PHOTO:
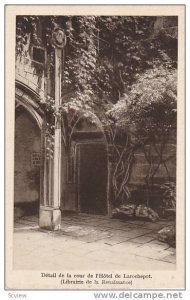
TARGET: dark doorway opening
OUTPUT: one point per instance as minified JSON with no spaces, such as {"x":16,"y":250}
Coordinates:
{"x":93,"y":178}
{"x":26,"y":164}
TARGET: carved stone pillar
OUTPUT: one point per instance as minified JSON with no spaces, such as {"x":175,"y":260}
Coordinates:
{"x":50,"y":213}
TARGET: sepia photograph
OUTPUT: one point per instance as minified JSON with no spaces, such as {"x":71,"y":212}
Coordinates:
{"x":95,"y":167}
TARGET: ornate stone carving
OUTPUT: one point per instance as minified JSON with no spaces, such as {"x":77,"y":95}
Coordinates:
{"x":59,"y":38}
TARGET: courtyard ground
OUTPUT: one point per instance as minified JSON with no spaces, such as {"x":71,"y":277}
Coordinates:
{"x":91,"y":241}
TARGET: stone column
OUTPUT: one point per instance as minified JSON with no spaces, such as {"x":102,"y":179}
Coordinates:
{"x":50,"y":214}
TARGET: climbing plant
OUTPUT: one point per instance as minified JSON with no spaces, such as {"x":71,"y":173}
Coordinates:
{"x":149,"y":114}
{"x":118,"y":71}
{"x":104,"y":54}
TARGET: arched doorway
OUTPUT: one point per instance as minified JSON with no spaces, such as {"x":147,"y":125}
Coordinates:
{"x":27,"y":164}
{"x":27,"y":158}
{"x":85,"y":171}
{"x":92,"y":177}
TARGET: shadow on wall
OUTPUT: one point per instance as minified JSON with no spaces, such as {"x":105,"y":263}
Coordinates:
{"x":26,"y":209}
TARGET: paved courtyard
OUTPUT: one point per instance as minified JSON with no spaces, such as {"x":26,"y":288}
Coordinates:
{"x":91,"y":242}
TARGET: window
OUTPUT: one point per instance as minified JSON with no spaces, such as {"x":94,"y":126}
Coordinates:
{"x":38,"y":55}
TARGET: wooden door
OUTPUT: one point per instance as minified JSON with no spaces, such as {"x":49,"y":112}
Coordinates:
{"x":92,"y":178}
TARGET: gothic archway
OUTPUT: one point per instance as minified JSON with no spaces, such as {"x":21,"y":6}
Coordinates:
{"x":85,"y":174}
{"x":27,"y":159}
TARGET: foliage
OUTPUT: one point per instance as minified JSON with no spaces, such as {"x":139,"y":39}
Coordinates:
{"x":168,"y":235}
{"x":151,"y":104}
{"x":169,"y":195}
{"x":138,"y":211}
{"x":25,"y":29}
{"x":103,"y":53}
{"x":118,"y":74}
{"x":149,"y":113}
{"x":120,"y":157}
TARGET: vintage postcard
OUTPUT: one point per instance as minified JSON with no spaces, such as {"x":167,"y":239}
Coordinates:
{"x":95,"y":147}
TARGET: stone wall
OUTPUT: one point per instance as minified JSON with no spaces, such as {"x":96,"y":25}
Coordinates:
{"x":27,"y":74}
{"x":140,"y":166}
{"x":164,"y":174}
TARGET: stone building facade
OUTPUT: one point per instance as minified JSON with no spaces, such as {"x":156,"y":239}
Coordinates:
{"x":51,"y":184}
{"x":77,"y":183}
